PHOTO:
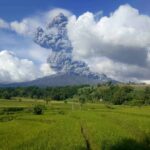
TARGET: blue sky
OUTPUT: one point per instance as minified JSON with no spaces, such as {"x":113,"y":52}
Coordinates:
{"x":17,"y":9}
{"x":119,"y":47}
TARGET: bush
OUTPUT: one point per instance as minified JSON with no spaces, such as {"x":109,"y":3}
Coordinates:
{"x":6,"y":118}
{"x":135,"y":102}
{"x":1,"y":112}
{"x":109,"y":106}
{"x":38,"y":109}
{"x":65,"y":102}
{"x":10,"y":110}
{"x":20,"y":100}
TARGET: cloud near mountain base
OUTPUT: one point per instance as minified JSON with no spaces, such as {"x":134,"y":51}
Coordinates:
{"x":15,"y":69}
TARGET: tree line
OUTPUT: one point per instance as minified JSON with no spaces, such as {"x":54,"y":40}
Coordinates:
{"x":116,"y":94}
{"x":54,"y":93}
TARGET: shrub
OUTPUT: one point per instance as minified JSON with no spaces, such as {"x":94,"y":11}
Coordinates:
{"x":109,"y":106}
{"x":20,"y":100}
{"x":61,"y":112}
{"x":135,"y":102}
{"x":1,"y":111}
{"x":65,"y":101}
{"x":10,"y":110}
{"x":6,"y":118}
{"x":38,"y":109}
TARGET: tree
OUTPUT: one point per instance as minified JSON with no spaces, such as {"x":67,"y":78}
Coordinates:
{"x":6,"y":95}
{"x":82,"y":100}
{"x":147,"y":95}
{"x":122,"y":95}
{"x":119,"y":97}
{"x":38,"y":109}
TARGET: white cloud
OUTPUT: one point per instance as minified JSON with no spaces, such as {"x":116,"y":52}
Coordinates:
{"x":122,"y":38}
{"x":49,"y":15}
{"x":46,"y":70}
{"x":145,"y":81}
{"x":125,"y":27}
{"x":3,"y":24}
{"x":15,"y":69}
{"x":28,"y":25}
{"x":119,"y":71}
{"x":38,"y":53}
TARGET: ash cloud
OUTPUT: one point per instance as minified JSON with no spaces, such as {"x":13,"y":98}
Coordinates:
{"x":55,"y":38}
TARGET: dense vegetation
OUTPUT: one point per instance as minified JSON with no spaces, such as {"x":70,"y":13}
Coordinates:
{"x":116,"y":94}
{"x":123,"y":94}
{"x":55,"y":93}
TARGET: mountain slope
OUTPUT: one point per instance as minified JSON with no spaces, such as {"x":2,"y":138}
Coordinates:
{"x":63,"y":79}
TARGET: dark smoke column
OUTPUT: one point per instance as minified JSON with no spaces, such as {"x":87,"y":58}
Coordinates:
{"x":55,"y":38}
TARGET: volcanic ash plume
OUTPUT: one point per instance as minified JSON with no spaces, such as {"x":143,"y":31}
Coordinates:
{"x":55,"y":38}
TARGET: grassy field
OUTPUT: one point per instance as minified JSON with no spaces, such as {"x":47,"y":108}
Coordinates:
{"x":68,"y":127}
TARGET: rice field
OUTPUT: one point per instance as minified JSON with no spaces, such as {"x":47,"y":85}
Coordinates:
{"x":70,"y":127}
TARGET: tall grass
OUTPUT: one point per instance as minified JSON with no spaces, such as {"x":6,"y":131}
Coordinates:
{"x":61,"y":128}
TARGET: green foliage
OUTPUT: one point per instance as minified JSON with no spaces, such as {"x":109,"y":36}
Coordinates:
{"x":38,"y":109}
{"x":111,"y":93}
{"x":82,"y":99}
{"x":6,"y":118}
{"x":147,"y":95}
{"x":13,"y":109}
{"x":122,"y":95}
{"x":106,"y":127}
{"x":6,"y":95}
{"x":135,"y":102}
{"x":65,"y":102}
{"x":54,"y":93}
